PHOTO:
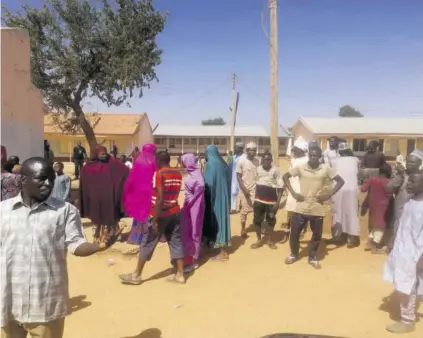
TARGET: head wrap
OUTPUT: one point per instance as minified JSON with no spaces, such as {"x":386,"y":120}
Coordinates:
{"x":301,"y":144}
{"x":149,"y":147}
{"x":417,"y":153}
{"x":251,"y":145}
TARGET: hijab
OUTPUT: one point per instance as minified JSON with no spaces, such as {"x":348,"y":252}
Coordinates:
{"x":138,"y":189}
{"x":194,"y":179}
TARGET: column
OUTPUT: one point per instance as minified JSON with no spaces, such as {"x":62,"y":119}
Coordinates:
{"x":70,"y":150}
{"x":198,"y":144}
{"x":167,"y":142}
{"x":182,"y":144}
{"x":257,"y":140}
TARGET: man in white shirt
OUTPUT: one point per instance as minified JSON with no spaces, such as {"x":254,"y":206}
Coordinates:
{"x":34,"y":278}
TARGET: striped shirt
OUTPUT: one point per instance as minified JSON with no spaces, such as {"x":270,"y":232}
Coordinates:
{"x":33,"y":248}
{"x":170,"y":180}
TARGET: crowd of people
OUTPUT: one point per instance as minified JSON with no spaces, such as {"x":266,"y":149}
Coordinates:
{"x":41,"y":226}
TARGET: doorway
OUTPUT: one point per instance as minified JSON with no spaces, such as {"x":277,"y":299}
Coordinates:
{"x":411,"y":145}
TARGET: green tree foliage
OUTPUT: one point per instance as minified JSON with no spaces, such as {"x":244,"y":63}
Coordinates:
{"x":82,"y":49}
{"x":217,"y":121}
{"x":348,"y":111}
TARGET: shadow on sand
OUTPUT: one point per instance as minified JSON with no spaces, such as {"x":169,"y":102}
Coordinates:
{"x":391,"y":305}
{"x":297,"y":335}
{"x":150,"y":333}
{"x":78,"y":303}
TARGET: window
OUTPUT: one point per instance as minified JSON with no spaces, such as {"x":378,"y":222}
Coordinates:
{"x":172,"y":142}
{"x":238,"y":139}
{"x":178,"y":141}
{"x":193,"y":141}
{"x":205,"y":141}
{"x":359,"y":144}
{"x":186,"y":141}
{"x":220,"y":141}
{"x":283,"y":141}
{"x":160,"y":140}
{"x":264,"y":141}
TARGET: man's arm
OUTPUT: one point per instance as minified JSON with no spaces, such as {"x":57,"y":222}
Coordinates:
{"x":239,"y":178}
{"x":339,"y":184}
{"x":68,"y":187}
{"x":394,"y":184}
{"x":292,"y":173}
{"x":74,"y":235}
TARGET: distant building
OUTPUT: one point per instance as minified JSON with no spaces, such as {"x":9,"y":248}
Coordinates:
{"x":22,"y":106}
{"x":124,"y":130}
{"x":403,"y":134}
{"x":193,"y":138}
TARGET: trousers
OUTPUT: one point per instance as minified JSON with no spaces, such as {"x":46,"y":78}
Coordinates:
{"x":298,"y":223}
{"x":53,"y":329}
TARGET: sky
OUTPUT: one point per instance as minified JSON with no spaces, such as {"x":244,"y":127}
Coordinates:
{"x":368,"y":54}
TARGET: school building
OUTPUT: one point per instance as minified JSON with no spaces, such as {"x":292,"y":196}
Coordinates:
{"x":195,"y":138}
{"x":393,"y":134}
{"x":124,"y":130}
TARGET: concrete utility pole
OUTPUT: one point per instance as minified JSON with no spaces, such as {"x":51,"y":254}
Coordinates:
{"x":233,"y":109}
{"x":274,"y":124}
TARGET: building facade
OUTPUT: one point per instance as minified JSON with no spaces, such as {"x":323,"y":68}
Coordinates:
{"x":393,"y":134}
{"x":22,"y":106}
{"x":196,"y":138}
{"x":126,"y":131}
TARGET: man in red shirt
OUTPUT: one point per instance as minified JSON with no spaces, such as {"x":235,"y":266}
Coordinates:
{"x":164,"y":221}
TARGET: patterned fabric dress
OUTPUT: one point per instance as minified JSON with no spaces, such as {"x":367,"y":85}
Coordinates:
{"x":11,"y":185}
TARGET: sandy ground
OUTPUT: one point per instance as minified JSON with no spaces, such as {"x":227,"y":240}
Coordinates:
{"x":252,"y":295}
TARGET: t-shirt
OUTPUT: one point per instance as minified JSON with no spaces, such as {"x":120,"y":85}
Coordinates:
{"x":78,"y":153}
{"x":171,"y":181}
{"x":268,"y":181}
{"x":248,"y":170}
{"x":312,"y":184}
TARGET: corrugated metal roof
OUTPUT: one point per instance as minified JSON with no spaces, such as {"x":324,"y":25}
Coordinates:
{"x":105,"y":124}
{"x":210,"y":131}
{"x":363,"y":125}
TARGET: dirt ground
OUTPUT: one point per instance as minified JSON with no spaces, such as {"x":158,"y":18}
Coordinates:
{"x":252,"y":295}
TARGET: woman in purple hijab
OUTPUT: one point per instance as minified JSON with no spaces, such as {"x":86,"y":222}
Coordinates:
{"x":192,"y":212}
{"x":138,"y":192}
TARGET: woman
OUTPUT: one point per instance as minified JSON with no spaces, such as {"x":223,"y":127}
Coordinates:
{"x":193,"y":211}
{"x":346,"y":224}
{"x":101,"y":186}
{"x":11,"y":183}
{"x":217,"y":202}
{"x":138,"y":192}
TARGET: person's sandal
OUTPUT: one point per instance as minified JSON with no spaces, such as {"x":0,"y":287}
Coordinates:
{"x":176,"y":279}
{"x":256,"y":245}
{"x":130,"y":280}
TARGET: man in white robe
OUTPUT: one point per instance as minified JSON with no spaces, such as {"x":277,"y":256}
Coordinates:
{"x":239,"y":153}
{"x":404,"y":266}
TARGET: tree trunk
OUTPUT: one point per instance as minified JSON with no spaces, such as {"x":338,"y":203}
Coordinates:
{"x":86,"y":128}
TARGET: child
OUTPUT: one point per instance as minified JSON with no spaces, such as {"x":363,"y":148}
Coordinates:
{"x":379,"y":202}
{"x":404,"y":266}
{"x":267,"y":199}
{"x":62,"y":183}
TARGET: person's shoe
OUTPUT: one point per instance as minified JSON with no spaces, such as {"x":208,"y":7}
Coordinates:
{"x":400,"y":327}
{"x":176,"y":279}
{"x":378,"y":251}
{"x":353,"y":245}
{"x":291,"y":259}
{"x":191,"y":267}
{"x":314,"y":262}
{"x":256,"y":245}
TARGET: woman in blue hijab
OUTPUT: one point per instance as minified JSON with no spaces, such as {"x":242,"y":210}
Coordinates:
{"x":217,"y":226}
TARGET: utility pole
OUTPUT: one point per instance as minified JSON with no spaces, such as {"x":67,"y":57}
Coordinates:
{"x":233,"y":110}
{"x":274,"y":123}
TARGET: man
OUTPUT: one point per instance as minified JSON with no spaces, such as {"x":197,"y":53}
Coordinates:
{"x":267,"y":200}
{"x":329,"y":155}
{"x":78,"y":157}
{"x":230,"y":158}
{"x":246,"y":171}
{"x":372,"y":160}
{"x":36,"y":233}
{"x":114,"y":150}
{"x":310,"y":202}
{"x":239,"y":153}
{"x":404,"y":266}
{"x":62,"y":184}
{"x":48,"y":153}
{"x":165,"y":221}
{"x":398,"y":186}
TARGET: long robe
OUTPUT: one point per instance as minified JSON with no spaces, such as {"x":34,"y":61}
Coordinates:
{"x":193,"y":208}
{"x":217,"y":198}
{"x":401,"y":265}
{"x":345,"y":201}
{"x":234,"y":182}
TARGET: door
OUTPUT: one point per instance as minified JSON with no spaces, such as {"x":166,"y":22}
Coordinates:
{"x":411,"y":145}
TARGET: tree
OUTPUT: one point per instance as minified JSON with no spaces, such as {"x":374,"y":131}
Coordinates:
{"x":79,"y":51}
{"x":348,"y":111}
{"x":217,"y":121}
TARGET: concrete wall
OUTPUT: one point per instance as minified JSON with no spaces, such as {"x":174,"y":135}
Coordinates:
{"x":22,"y":108}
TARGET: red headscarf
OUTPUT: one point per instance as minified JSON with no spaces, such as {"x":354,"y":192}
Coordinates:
{"x":101,"y":185}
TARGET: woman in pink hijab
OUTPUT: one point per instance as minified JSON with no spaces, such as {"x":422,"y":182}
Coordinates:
{"x":138,"y":192}
{"x":192,"y":212}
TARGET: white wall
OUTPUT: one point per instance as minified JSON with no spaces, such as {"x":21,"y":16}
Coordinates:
{"x":22,"y":108}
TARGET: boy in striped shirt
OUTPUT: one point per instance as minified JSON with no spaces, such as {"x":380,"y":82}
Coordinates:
{"x":269,"y":188}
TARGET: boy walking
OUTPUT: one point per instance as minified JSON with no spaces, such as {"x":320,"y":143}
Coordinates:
{"x":62,"y":184}
{"x":267,"y":199}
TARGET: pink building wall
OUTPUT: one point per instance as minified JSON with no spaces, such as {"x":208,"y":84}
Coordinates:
{"x":22,"y":107}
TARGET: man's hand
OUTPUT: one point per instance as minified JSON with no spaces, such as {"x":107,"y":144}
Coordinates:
{"x":298,"y":197}
{"x":246,"y":194}
{"x":323,"y":198}
{"x":400,"y":169}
